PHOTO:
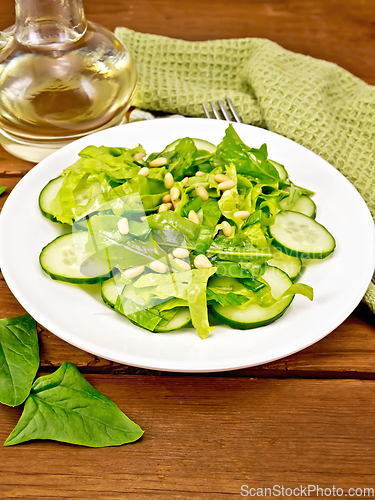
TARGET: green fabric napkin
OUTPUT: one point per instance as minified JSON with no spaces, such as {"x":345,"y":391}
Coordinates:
{"x":313,"y":102}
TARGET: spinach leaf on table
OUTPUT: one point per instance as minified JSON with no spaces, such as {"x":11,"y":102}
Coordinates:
{"x":19,"y":358}
{"x":2,"y":189}
{"x":63,"y":406}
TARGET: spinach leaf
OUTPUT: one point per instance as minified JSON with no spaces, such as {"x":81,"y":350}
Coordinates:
{"x":19,"y":358}
{"x":248,"y":161}
{"x":182,"y":158}
{"x":193,"y":204}
{"x":139,"y":194}
{"x":2,"y":189}
{"x":224,"y":249}
{"x":170,"y":221}
{"x":63,"y":406}
{"x":167,"y":316}
{"x":139,"y":229}
{"x":138,"y":314}
{"x":122,"y":250}
{"x":231,"y":269}
{"x":211,"y":216}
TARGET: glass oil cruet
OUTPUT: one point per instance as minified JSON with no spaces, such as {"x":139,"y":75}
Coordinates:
{"x":61,"y":78}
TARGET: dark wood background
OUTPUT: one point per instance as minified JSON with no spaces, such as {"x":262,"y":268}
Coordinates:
{"x":306,"y":419}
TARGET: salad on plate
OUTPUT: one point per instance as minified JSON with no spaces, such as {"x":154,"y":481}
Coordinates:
{"x":192,"y":235}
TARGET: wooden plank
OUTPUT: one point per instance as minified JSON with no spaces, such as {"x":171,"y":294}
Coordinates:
{"x":338,"y":31}
{"x":335,"y":31}
{"x":10,"y":166}
{"x":205,"y":438}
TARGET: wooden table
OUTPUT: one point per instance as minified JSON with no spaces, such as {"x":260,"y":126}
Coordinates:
{"x":308,"y":419}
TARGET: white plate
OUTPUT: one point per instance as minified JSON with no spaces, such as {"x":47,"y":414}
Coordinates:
{"x":78,"y":315}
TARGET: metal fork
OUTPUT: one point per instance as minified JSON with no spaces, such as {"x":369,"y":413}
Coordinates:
{"x":224,"y":111}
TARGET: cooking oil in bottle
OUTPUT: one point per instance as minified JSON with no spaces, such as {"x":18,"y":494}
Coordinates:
{"x":61,"y":78}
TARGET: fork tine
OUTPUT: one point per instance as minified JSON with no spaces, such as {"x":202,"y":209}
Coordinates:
{"x":233,"y":110}
{"x":224,"y":111}
{"x":206,"y":111}
{"x":215,"y":111}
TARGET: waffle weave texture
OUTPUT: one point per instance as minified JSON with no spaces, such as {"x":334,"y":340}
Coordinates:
{"x":313,"y":102}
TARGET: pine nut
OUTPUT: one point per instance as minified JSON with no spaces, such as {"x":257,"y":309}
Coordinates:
{"x":158,"y":162}
{"x":175,"y":193}
{"x":242,"y":214}
{"x":132,"y":272}
{"x":202,"y":193}
{"x":200,"y":174}
{"x":123,"y":225}
{"x":139,"y":156}
{"x":167,"y":198}
{"x":227,"y":229}
{"x":164,"y":207}
{"x":193,"y":216}
{"x":226,"y":185}
{"x":144,"y":171}
{"x":227,"y":193}
{"x":168,"y":180}
{"x":144,"y":217}
{"x":201,"y":262}
{"x":184,"y":181}
{"x":158,"y":267}
{"x":182,"y":263}
{"x":221,"y":178}
{"x":176,"y":203}
{"x":181,"y":253}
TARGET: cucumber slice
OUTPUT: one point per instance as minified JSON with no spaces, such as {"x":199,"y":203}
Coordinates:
{"x":66,"y":259}
{"x":49,"y":193}
{"x":111,"y":289}
{"x":304,"y":205}
{"x":199,"y":144}
{"x":180,"y":320}
{"x":290,"y":265}
{"x":254,"y":316}
{"x":300,"y":236}
{"x":280,"y":168}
